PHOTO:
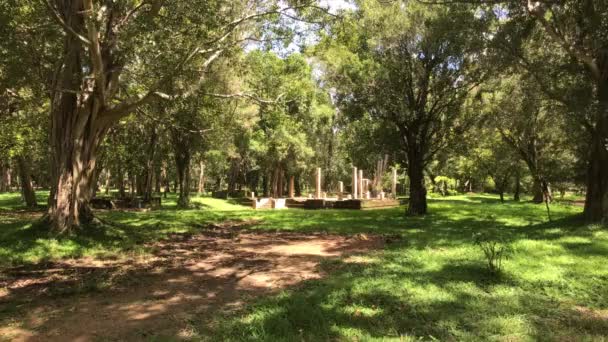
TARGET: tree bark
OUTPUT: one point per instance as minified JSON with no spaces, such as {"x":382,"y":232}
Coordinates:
{"x":149,"y":172}
{"x":76,"y":130}
{"x":537,"y":191}
{"x":75,"y":137}
{"x":121,"y":183}
{"x":182,"y":163}
{"x":157,"y":180}
{"x":596,"y":201}
{"x":417,"y":202}
{"x":297,"y":186}
{"x":516,"y":194}
{"x":4,"y":176}
{"x":29,"y":195}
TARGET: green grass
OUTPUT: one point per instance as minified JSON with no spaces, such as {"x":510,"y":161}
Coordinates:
{"x":430,"y":284}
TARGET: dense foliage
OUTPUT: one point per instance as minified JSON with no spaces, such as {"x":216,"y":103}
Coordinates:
{"x":151,"y":97}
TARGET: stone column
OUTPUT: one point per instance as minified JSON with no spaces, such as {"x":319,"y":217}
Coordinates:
{"x":318,"y":184}
{"x":291,"y":187}
{"x":355,"y":183}
{"x":341,"y":186}
{"x":360,"y":179}
{"x":394,"y":186}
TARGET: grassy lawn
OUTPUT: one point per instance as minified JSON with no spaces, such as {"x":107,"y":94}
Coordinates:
{"x":430,"y":283}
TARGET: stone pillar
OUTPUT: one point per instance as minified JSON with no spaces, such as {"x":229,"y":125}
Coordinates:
{"x":394,"y":186}
{"x":291,"y":187}
{"x":253,"y":195}
{"x":341,"y":187}
{"x":355,"y":183}
{"x":360,"y":179}
{"x":318,"y":184}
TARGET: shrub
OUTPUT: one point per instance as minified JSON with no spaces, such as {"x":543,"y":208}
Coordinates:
{"x":494,"y":250}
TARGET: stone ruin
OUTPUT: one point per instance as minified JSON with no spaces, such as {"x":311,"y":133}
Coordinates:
{"x":359,"y":198}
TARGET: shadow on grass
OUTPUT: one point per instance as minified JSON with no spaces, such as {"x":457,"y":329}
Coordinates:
{"x":451,"y":222}
{"x":432,"y":283}
{"x":388,"y":300}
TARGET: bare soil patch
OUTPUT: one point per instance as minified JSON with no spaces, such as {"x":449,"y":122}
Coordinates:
{"x":187,"y":279}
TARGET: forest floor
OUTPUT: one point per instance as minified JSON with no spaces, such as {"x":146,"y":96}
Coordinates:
{"x":225,"y":272}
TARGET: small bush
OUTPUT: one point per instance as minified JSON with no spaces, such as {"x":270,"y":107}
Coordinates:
{"x":494,"y":250}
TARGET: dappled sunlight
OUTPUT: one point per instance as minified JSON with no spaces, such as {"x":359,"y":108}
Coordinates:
{"x":171,"y":270}
{"x":210,"y":272}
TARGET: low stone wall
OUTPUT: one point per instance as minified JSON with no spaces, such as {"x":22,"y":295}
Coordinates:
{"x":355,"y":204}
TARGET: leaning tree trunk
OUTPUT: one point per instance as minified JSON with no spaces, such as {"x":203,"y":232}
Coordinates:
{"x":29,"y":195}
{"x":417,"y":202}
{"x":596,"y":201}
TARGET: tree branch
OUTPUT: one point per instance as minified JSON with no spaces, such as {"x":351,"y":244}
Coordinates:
{"x":63,"y":24}
{"x":537,"y":11}
{"x":95,"y":50}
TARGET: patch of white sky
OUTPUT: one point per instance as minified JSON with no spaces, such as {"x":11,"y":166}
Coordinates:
{"x":305,"y":33}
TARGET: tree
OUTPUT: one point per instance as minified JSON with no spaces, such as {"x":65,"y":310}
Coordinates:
{"x":287,"y":126}
{"x":111,"y":58}
{"x":563,"y":45}
{"x":530,"y":123}
{"x":416,"y":68}
{"x":579,"y":29}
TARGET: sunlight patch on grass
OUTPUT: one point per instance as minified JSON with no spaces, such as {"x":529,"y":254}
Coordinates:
{"x":430,"y":282}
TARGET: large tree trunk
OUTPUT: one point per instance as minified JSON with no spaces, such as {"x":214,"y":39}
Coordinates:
{"x":78,"y":121}
{"x":182,"y":163}
{"x":29,"y":195}
{"x":73,"y":164}
{"x":596,"y":202}
{"x":537,"y":191}
{"x":417,"y":202}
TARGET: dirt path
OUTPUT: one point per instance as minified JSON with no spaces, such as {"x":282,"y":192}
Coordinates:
{"x":187,"y":279}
